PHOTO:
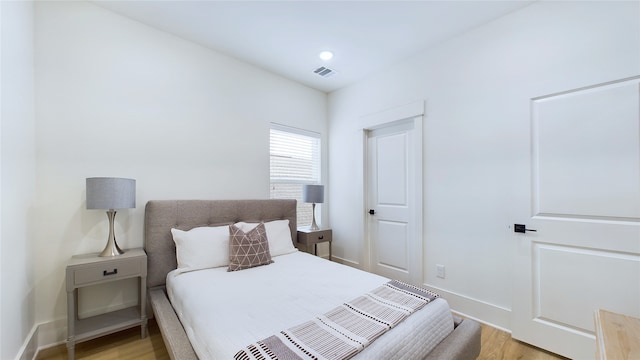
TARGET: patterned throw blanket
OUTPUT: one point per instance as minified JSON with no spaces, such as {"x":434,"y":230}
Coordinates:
{"x":346,"y":330}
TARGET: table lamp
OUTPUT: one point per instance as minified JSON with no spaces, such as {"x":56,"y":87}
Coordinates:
{"x":313,"y":194}
{"x":111,"y":194}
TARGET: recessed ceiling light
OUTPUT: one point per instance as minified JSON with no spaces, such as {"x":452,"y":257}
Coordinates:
{"x":326,"y":55}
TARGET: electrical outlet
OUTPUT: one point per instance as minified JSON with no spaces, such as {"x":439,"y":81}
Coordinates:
{"x":440,"y":271}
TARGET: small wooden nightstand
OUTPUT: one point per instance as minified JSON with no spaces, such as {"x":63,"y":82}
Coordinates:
{"x":90,"y":269}
{"x":310,"y":237}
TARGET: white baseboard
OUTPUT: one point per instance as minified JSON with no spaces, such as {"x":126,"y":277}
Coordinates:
{"x":42,"y":336}
{"x":29,"y":349}
{"x":52,"y":333}
{"x":481,"y":311}
{"x":345,"y":262}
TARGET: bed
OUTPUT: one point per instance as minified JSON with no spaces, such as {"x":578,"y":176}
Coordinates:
{"x":199,"y":321}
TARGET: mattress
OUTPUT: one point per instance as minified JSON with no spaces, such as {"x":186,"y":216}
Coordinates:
{"x":223,"y":312}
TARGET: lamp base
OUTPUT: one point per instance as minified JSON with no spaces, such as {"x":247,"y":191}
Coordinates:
{"x":314,"y":226}
{"x":112,"y":248}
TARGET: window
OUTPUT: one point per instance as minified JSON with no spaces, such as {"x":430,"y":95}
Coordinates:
{"x":294,"y":160}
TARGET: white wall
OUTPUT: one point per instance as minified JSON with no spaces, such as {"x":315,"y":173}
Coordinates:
{"x":477,"y":88}
{"x":18,"y":174}
{"x":117,"y":98}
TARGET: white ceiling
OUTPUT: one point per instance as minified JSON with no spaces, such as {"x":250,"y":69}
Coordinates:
{"x":285,"y":37}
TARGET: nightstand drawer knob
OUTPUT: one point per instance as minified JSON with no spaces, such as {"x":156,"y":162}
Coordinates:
{"x":107,"y":273}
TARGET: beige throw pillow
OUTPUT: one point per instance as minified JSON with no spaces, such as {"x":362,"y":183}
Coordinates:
{"x":250,"y":249}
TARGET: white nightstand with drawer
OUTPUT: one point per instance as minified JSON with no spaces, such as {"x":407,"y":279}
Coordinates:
{"x":89,"y":270}
{"x":310,"y":237}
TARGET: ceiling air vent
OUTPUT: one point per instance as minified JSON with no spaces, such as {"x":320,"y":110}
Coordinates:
{"x":324,"y":71}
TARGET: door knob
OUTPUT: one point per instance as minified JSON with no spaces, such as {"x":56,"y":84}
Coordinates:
{"x":372,"y":212}
{"x":520,"y":228}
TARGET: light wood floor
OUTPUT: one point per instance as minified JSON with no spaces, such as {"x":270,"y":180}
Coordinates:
{"x":498,"y":344}
{"x":127,"y":345}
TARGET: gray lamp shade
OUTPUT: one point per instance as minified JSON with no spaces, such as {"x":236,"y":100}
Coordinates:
{"x":111,"y":193}
{"x":313,"y":194}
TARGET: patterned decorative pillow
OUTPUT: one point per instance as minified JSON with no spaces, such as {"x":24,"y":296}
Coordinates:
{"x":278,"y":235}
{"x":247,"y":250}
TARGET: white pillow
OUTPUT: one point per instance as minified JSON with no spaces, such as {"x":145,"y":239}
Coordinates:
{"x":202,"y":247}
{"x":278,"y":235}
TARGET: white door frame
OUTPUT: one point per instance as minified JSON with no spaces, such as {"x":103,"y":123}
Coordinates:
{"x":413,"y":111}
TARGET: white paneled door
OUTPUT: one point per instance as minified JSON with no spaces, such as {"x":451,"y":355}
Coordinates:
{"x":585,"y":208}
{"x":395,"y":241}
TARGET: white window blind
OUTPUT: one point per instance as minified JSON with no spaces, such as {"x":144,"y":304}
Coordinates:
{"x":294,"y":161}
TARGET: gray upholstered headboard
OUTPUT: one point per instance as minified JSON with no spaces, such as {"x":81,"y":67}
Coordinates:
{"x":162,"y":215}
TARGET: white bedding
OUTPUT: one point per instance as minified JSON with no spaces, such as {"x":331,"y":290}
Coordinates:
{"x":222,"y":312}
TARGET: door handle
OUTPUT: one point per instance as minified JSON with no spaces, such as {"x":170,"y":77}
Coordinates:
{"x":521,"y":228}
{"x":372,"y":212}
